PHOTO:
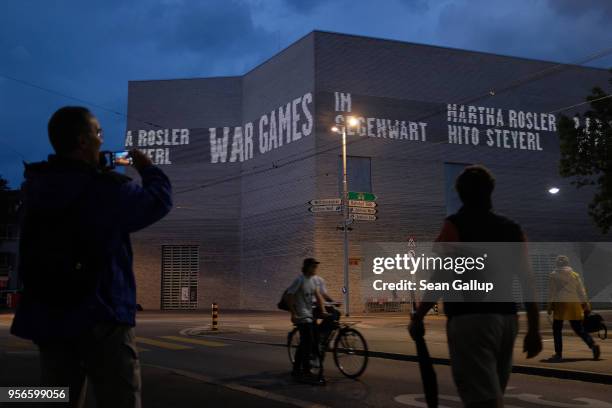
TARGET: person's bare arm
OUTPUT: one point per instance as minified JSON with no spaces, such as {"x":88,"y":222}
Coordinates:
{"x":416,"y":328}
{"x":320,"y":302}
{"x":290,"y":297}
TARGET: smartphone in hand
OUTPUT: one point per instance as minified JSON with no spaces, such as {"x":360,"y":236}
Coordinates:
{"x":121,"y":158}
{"x":113,"y":159}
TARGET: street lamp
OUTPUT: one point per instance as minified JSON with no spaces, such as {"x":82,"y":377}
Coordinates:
{"x":350,"y":122}
{"x":554,"y":190}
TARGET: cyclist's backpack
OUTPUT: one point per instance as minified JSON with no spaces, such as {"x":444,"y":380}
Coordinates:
{"x":282,"y":304}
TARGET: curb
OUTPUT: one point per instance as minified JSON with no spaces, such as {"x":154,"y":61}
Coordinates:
{"x":576,"y":375}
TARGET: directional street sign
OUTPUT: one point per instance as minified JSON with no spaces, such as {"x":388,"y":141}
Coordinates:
{"x":354,"y":195}
{"x":363,"y":217}
{"x":360,"y":203}
{"x":360,"y":210}
{"x":326,"y":201}
{"x":325,"y":208}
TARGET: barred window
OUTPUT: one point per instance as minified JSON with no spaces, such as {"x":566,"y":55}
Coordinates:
{"x":180,"y":270}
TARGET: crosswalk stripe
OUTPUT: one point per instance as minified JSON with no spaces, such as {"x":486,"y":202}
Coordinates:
{"x":162,"y":344}
{"x":18,"y":344}
{"x":256,"y":328}
{"x":208,"y":343}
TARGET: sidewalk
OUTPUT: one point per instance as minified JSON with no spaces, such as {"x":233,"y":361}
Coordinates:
{"x":577,"y":364}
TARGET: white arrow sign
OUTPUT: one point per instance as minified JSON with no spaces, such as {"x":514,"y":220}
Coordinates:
{"x":359,"y":210}
{"x":360,"y":203}
{"x":326,"y":201}
{"x":325,"y":208}
{"x":363,"y":217}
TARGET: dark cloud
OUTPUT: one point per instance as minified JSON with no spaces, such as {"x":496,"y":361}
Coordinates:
{"x":575,"y":9}
{"x":415,"y":5}
{"x":212,"y":27}
{"x":303,"y":6}
{"x":525,"y":28}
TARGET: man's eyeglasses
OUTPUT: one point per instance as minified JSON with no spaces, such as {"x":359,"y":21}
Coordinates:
{"x":100,"y":133}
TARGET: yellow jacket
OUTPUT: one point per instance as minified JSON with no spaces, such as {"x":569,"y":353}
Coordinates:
{"x":566,"y":295}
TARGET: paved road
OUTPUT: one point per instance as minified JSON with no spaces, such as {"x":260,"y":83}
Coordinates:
{"x":208,"y":371}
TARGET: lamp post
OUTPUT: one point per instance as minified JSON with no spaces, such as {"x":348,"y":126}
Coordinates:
{"x":351,"y":122}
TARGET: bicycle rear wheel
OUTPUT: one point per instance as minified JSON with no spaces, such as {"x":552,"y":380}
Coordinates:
{"x":350,"y":352}
{"x":293,"y":341}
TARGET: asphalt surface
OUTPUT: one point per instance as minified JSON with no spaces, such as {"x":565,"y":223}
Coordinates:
{"x":243,"y":367}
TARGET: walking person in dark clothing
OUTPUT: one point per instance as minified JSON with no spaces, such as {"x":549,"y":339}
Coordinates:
{"x":79,"y":290}
{"x":481,"y":335}
{"x":567,"y":300}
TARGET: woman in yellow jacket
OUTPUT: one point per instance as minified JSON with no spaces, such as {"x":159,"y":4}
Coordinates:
{"x":568,"y":301}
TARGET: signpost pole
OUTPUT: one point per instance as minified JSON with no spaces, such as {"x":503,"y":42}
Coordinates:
{"x":345,"y":209}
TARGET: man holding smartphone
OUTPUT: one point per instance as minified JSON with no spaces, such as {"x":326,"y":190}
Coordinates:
{"x":79,"y":290}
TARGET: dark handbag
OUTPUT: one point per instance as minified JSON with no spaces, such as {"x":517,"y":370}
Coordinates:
{"x":592,"y":323}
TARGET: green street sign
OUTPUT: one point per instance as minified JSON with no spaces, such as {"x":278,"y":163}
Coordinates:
{"x":354,"y":195}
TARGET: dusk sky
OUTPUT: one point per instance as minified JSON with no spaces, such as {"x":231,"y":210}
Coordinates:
{"x":89,"y":50}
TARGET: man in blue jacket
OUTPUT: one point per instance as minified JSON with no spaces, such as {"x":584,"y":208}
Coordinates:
{"x":79,"y":290}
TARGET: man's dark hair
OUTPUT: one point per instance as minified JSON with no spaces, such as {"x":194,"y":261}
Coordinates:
{"x":65,"y":127}
{"x":475,"y":186}
{"x":308,"y":262}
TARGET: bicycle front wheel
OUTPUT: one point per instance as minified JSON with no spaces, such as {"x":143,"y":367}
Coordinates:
{"x":350,"y":353}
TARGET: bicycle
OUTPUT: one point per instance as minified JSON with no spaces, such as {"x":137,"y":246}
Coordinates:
{"x":348,"y":345}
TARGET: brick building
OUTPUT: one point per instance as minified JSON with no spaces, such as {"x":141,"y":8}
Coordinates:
{"x":246,"y":153}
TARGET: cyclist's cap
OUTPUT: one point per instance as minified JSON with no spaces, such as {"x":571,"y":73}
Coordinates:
{"x":310,"y":261}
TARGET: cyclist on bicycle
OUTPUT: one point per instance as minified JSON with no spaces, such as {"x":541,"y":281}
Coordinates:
{"x":300,"y":301}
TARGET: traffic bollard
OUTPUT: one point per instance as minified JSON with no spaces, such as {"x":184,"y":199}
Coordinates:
{"x":215,"y":317}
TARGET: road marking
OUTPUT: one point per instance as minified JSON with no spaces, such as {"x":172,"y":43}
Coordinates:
{"x":18,"y":344}
{"x":243,"y":388}
{"x":257,"y":328}
{"x":162,"y":344}
{"x":22,"y":352}
{"x":537,"y":399}
{"x":411,"y":400}
{"x":207,"y":343}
